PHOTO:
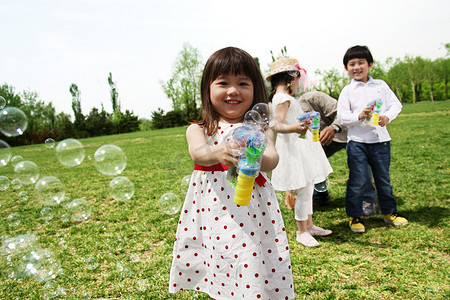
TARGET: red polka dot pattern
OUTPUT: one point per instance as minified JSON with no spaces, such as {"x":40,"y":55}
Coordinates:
{"x":230,"y":251}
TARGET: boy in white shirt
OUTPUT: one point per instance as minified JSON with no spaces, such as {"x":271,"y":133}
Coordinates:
{"x":367,"y":144}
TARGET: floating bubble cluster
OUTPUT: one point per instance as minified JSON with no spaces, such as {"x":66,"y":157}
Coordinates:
{"x":110,"y":160}
{"x":70,"y":152}
{"x":13,"y":121}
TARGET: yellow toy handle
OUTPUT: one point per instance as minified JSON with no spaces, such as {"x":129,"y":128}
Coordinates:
{"x":315,"y":133}
{"x":375,"y":119}
{"x":244,"y":189}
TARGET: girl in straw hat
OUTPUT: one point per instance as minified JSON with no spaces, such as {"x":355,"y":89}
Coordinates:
{"x":302,"y":162}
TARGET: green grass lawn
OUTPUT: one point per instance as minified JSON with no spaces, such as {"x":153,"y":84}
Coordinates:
{"x":131,"y":241}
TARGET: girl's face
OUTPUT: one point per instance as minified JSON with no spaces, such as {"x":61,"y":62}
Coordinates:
{"x":231,"y":97}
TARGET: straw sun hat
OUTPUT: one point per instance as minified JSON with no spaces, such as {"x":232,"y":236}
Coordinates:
{"x":288,"y":64}
{"x":283,"y":65}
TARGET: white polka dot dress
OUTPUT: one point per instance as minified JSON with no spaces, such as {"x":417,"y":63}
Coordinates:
{"x":230,"y":251}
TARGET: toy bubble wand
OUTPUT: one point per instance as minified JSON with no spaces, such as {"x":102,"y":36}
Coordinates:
{"x":312,"y":120}
{"x":252,"y":141}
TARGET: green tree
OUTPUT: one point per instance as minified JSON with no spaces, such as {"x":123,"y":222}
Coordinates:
{"x":114,"y":94}
{"x":99,"y":123}
{"x":80,"y":122}
{"x":183,"y":88}
{"x":333,"y":82}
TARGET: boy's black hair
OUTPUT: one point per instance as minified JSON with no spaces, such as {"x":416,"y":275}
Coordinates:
{"x":358,"y":52}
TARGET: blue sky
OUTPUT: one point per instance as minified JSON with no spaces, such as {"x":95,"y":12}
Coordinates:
{"x":46,"y":45}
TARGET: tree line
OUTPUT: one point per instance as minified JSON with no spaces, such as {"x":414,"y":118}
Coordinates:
{"x":43,"y":122}
{"x":412,"y":79}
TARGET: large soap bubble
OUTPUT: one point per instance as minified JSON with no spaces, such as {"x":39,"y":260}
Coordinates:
{"x":79,"y":210}
{"x":70,"y":152}
{"x":27,"y":172}
{"x":16,"y":159}
{"x":170,"y":203}
{"x":5,"y":153}
{"x":49,"y":190}
{"x":110,"y":160}
{"x":13,"y":121}
{"x":121,"y":188}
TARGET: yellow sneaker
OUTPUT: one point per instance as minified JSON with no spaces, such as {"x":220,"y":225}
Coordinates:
{"x":395,"y":219}
{"x":356,"y":225}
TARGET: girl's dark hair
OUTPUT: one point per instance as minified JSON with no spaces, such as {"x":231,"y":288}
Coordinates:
{"x":228,"y":61}
{"x":282,"y":78}
{"x":358,"y":52}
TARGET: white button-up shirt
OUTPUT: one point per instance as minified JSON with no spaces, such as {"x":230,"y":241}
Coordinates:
{"x":354,"y":98}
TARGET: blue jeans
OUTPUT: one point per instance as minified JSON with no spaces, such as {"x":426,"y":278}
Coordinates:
{"x":369,"y":191}
{"x":378,"y":157}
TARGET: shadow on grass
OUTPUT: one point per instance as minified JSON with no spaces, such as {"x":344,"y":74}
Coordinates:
{"x":432,"y":217}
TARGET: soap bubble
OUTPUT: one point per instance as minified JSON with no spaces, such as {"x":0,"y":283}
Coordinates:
{"x":22,"y":196}
{"x":110,"y":160}
{"x":16,"y":159}
{"x":2,"y":102}
{"x":4,"y":183}
{"x":320,"y":187}
{"x":13,"y":121}
{"x":52,"y":290}
{"x":121,"y":188}
{"x":27,"y":172}
{"x":47,"y":214}
{"x":5,"y":153}
{"x":91,"y":263}
{"x":65,"y":218}
{"x":170,"y":203}
{"x":43,"y":265}
{"x":141,"y":285}
{"x":16,"y":183}
{"x":79,"y":210}
{"x":13,"y":219}
{"x":49,"y":143}
{"x":49,"y":190}
{"x":252,"y":117}
{"x":70,"y":152}
{"x":264,"y":111}
{"x":185,"y":181}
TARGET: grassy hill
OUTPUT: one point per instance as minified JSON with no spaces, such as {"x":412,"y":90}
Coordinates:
{"x":130,"y":242}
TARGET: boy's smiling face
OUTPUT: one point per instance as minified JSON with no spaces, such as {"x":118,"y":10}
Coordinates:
{"x":358,"y":69}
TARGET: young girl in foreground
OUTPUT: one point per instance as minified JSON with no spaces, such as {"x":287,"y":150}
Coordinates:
{"x":222,"y":249}
{"x":302,"y":162}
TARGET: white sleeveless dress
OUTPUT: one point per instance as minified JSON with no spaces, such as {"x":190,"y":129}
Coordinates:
{"x":230,"y":251}
{"x":301,"y":161}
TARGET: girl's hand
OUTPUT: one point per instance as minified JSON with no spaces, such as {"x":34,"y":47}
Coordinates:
{"x":384,"y":120}
{"x":289,"y":200}
{"x":365,"y":114}
{"x":228,"y":154}
{"x":302,"y":128}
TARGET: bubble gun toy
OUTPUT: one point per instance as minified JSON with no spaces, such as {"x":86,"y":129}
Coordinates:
{"x":375,"y":109}
{"x":253,"y":143}
{"x":312,"y":120}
